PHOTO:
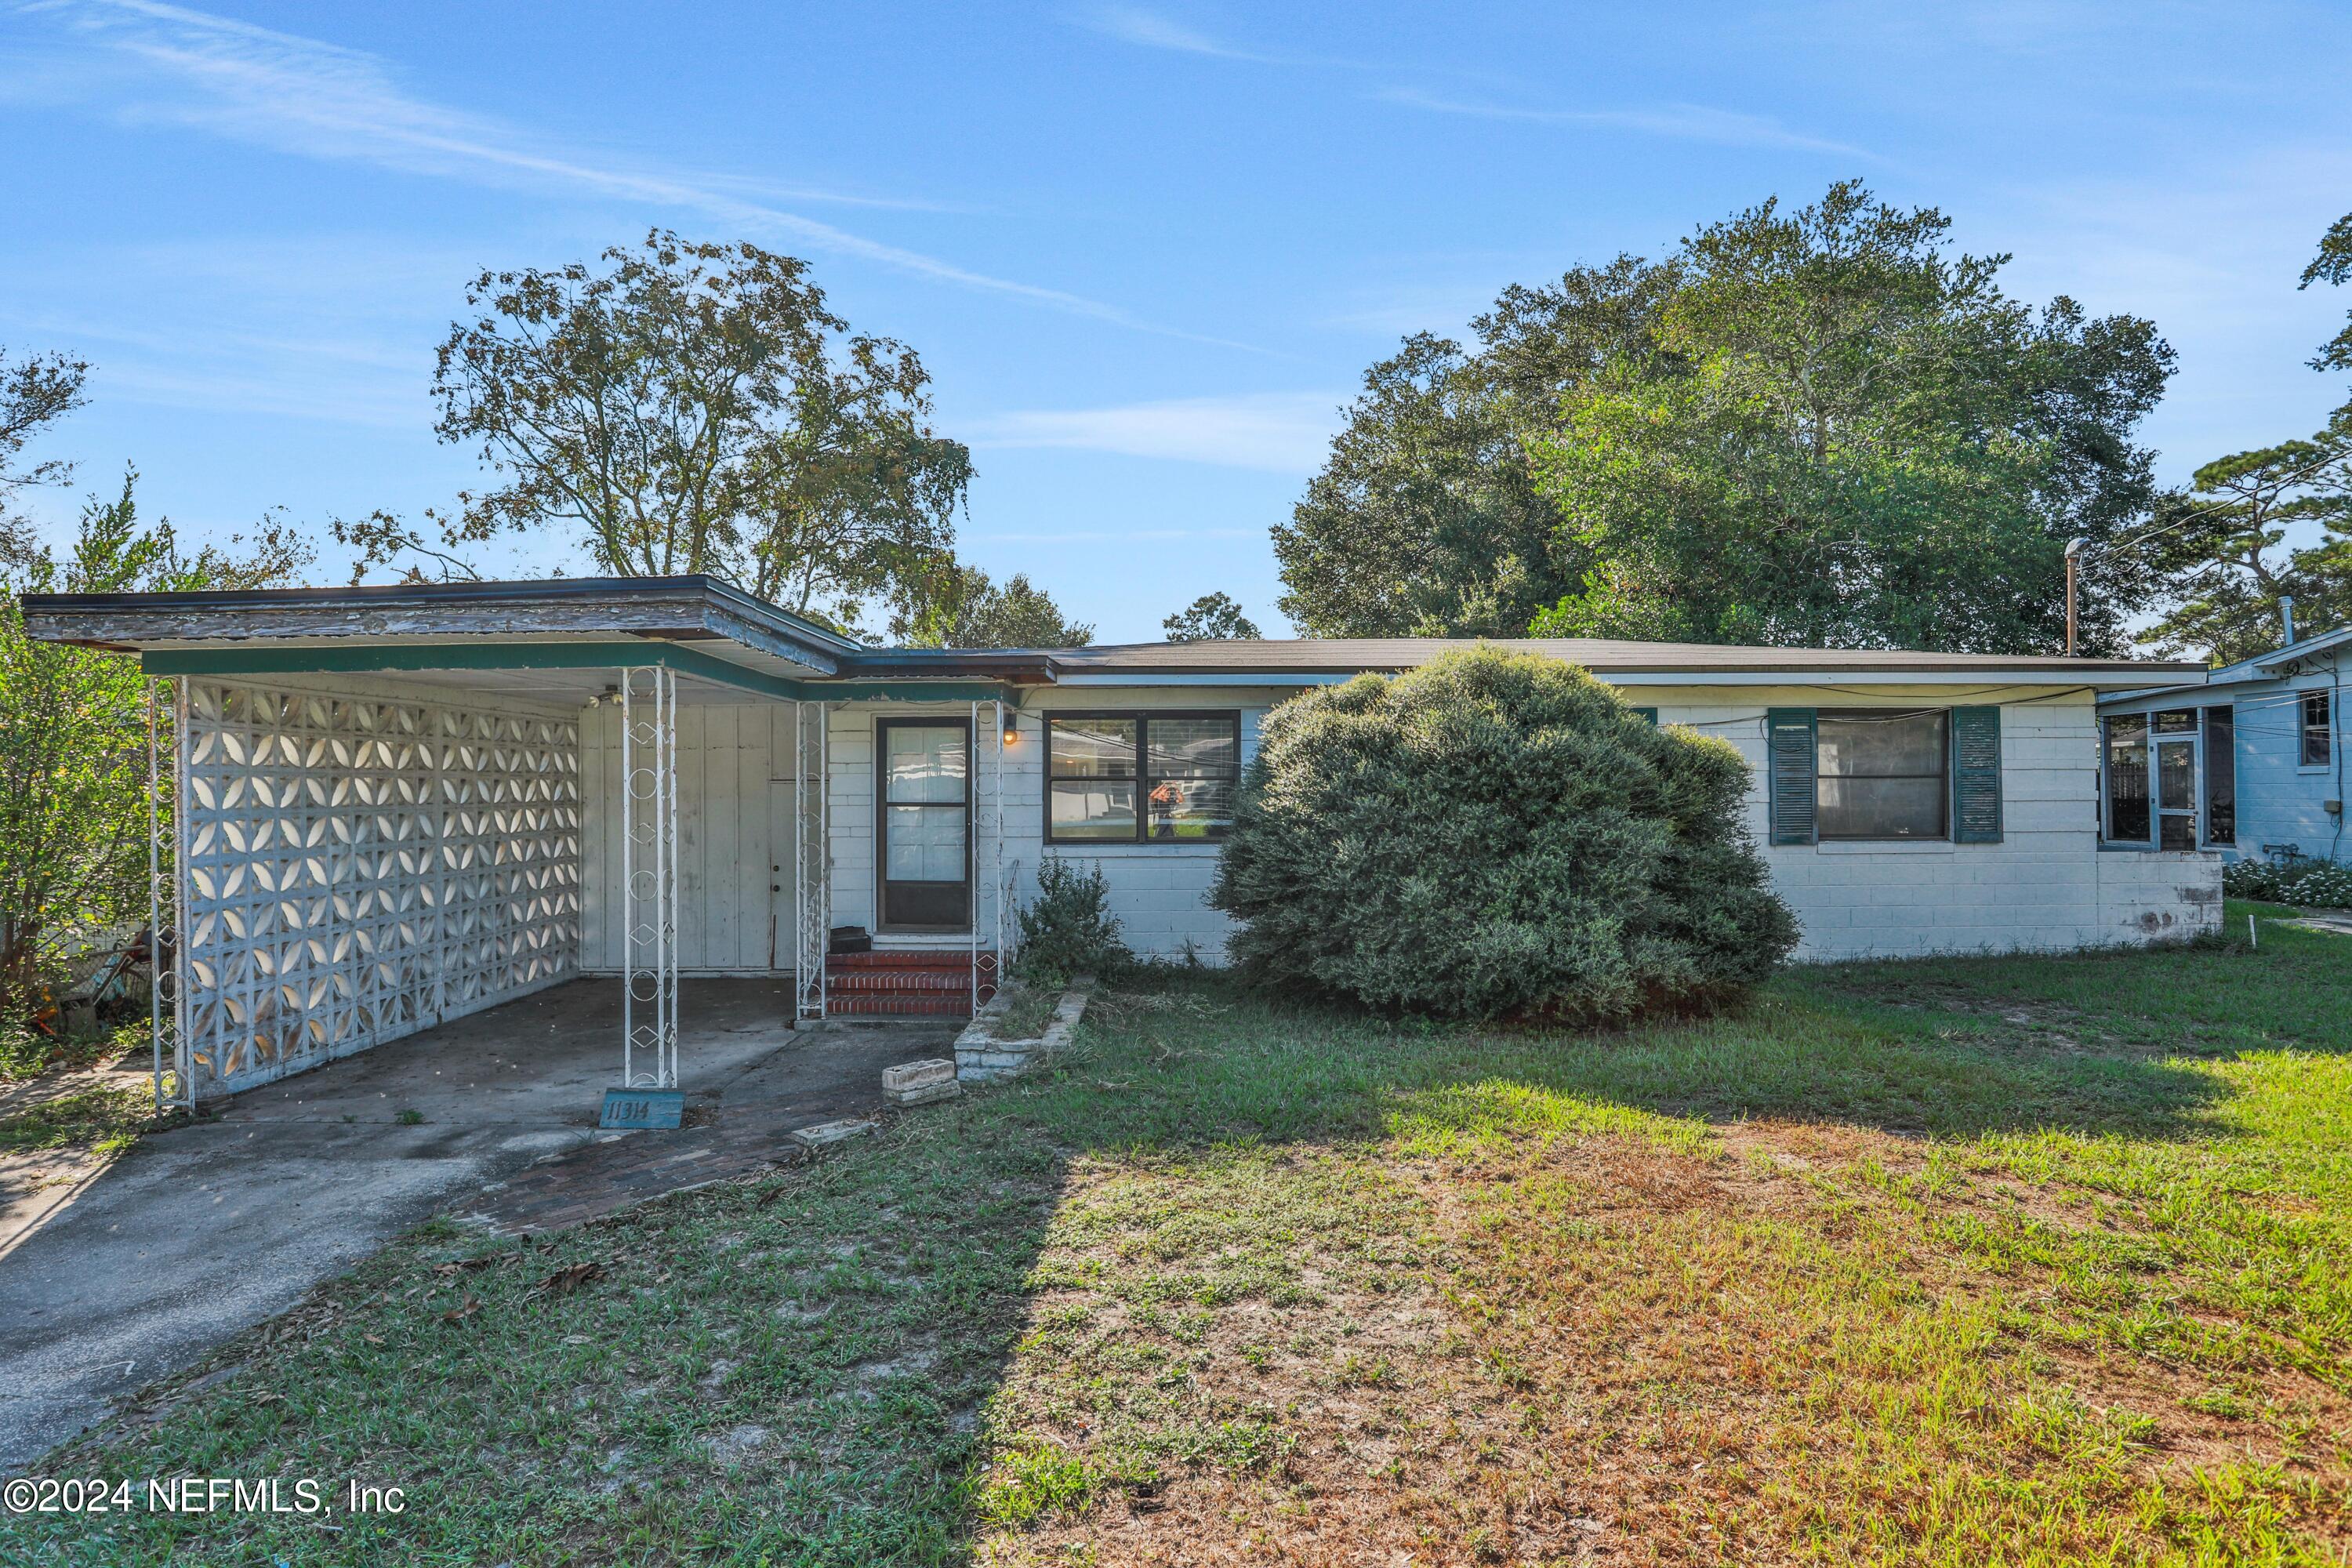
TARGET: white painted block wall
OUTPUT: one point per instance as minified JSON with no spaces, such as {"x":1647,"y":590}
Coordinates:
{"x":2046,"y":886}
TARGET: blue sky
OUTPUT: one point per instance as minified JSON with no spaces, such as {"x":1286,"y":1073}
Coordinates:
{"x":1145,"y":250}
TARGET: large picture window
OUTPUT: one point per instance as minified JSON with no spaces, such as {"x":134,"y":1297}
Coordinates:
{"x":1128,"y":778}
{"x":1883,"y":774}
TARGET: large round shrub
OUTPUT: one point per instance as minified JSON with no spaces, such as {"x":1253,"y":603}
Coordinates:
{"x":1494,"y":835}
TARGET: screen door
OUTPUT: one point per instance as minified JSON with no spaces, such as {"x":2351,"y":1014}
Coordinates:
{"x":926,"y":823}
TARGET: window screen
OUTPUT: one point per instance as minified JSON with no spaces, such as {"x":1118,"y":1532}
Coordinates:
{"x":1881,"y":774}
{"x":1141,"y":777}
{"x":2126,"y":791}
{"x":2316,"y":733}
{"x":1091,"y":791}
{"x":2220,"y":775}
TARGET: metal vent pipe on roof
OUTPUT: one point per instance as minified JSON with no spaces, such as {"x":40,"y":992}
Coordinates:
{"x":2286,"y":613}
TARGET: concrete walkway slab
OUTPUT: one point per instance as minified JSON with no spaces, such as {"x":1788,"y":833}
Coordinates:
{"x":202,"y":1231}
{"x":829,"y":1072}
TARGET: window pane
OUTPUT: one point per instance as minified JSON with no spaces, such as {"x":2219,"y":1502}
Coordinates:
{"x":925,"y":844}
{"x":2175,"y":776}
{"x":1881,"y":807}
{"x":2314,"y":730}
{"x":1094,"y":808}
{"x":2177,"y":722}
{"x":2220,"y":775}
{"x":2179,"y":831}
{"x":1881,"y":775}
{"x":926,"y":764}
{"x":1092,"y":748}
{"x":1191,"y":748}
{"x":2128,"y":814}
{"x":1191,"y":808}
{"x":1882,"y":745}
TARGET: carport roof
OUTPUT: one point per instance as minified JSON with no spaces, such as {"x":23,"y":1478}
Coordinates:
{"x":571,"y":631}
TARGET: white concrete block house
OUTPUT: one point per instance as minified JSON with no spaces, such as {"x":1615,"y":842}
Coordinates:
{"x":390,"y":807}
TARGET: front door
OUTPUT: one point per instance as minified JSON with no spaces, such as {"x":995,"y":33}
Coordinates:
{"x":2175,"y":794}
{"x":924,"y":834}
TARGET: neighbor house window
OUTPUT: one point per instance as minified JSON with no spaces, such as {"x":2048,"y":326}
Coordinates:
{"x":1883,"y":774}
{"x":2317,"y":734}
{"x":1125,"y":778}
{"x":2128,"y":805}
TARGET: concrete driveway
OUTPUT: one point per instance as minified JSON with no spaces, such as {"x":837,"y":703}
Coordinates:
{"x":201,"y":1232}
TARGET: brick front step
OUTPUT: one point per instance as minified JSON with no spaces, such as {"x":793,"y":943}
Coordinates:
{"x":921,"y":983}
{"x":896,"y":1005}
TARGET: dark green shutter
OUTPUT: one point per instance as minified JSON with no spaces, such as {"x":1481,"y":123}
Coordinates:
{"x":1649,"y":713}
{"x":1790,"y":742}
{"x":1976,"y":776}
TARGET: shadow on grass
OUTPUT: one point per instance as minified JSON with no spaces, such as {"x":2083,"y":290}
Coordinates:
{"x":798,"y":1371}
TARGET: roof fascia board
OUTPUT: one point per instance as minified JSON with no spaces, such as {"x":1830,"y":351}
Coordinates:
{"x":1995,"y":677}
{"x":484,"y":655}
{"x":614,"y":607}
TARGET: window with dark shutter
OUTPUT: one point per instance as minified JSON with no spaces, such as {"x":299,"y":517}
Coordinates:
{"x":1976,"y":776}
{"x":1789,"y":739}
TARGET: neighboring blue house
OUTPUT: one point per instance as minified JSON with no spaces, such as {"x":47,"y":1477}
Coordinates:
{"x":2251,"y":763}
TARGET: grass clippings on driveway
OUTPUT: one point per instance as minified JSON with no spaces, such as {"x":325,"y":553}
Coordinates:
{"x":2027,"y":1260}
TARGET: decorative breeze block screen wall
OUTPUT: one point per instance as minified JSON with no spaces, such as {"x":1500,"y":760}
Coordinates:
{"x":358,"y":869}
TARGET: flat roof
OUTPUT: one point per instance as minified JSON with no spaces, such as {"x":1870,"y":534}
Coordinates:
{"x":1600,"y":654}
{"x":716,"y":620}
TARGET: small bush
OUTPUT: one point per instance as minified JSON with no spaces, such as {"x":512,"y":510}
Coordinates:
{"x":1495,"y":835}
{"x":2317,"y":884}
{"x":1068,"y":929}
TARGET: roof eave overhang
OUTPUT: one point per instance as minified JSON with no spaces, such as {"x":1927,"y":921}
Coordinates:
{"x":676,"y":609}
{"x":2139,"y":675}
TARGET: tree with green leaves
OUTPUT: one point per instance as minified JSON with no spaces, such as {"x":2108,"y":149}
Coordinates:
{"x":1424,"y":520}
{"x":1211,"y":617}
{"x":1817,"y":427}
{"x":2226,"y":554}
{"x":1842,"y":434}
{"x":2223,"y":548}
{"x":2333,"y":265}
{"x":73,"y":734}
{"x":954,"y":605}
{"x":693,"y":407}
{"x":35,"y":390}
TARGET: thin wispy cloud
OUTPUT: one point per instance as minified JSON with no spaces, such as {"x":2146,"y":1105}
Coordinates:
{"x":1151,"y":30}
{"x":1272,"y":432}
{"x":1682,"y":121}
{"x":1686,"y":122}
{"x":311,"y":98}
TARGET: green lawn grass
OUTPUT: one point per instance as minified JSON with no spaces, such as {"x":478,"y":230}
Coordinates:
{"x":2002,"y":1259}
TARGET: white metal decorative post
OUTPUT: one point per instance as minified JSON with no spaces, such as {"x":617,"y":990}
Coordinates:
{"x":166,"y":911}
{"x":972,"y":882}
{"x":650,"y":877}
{"x":996,"y":844}
{"x":811,"y":855}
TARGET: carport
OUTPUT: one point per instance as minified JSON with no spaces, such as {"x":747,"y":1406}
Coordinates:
{"x":377,"y":810}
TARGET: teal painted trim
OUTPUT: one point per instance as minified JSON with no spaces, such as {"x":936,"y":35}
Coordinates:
{"x":914,"y":691}
{"x":487,"y":655}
